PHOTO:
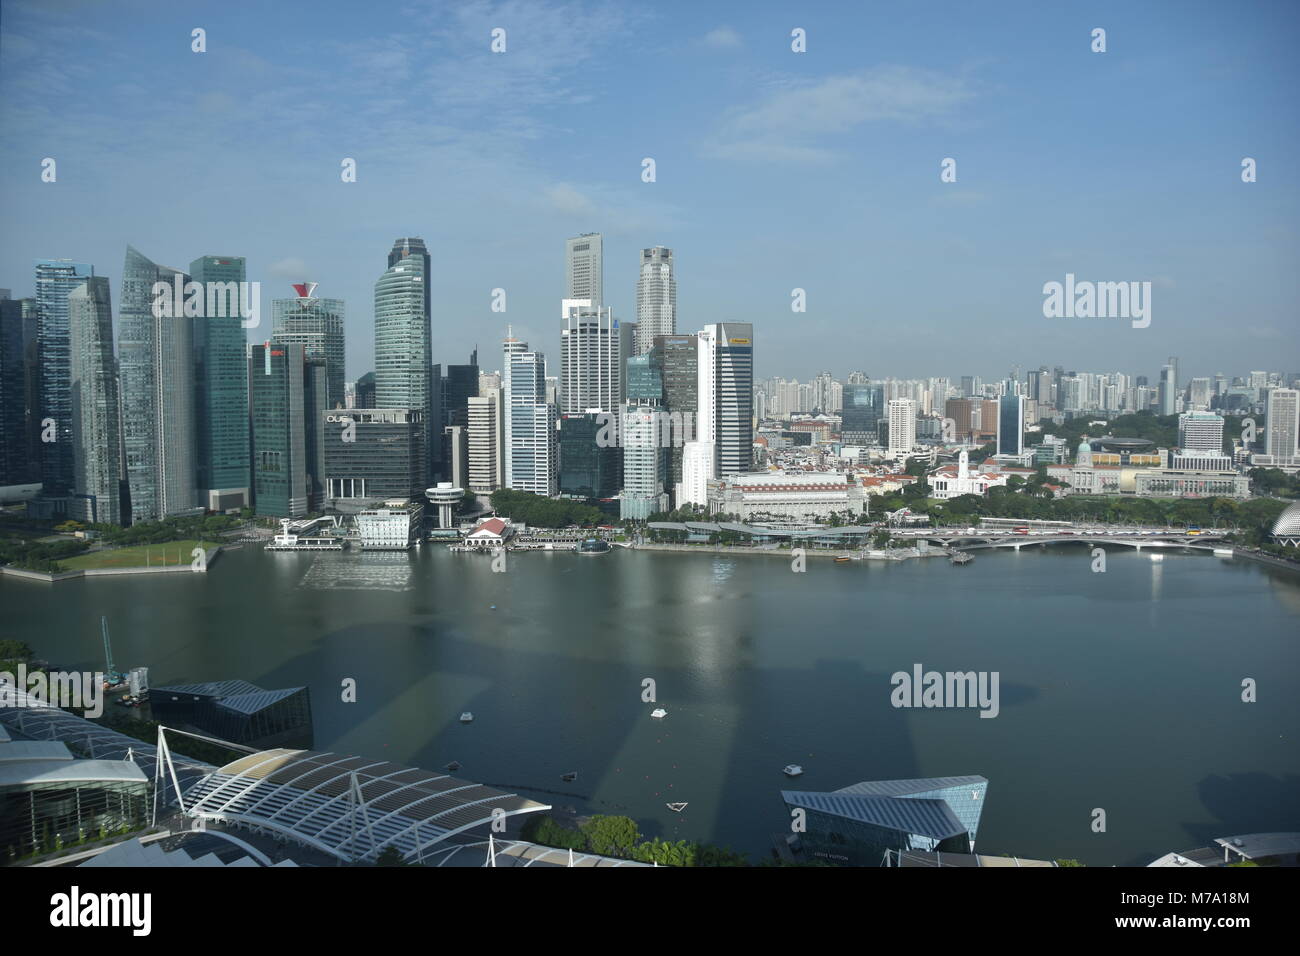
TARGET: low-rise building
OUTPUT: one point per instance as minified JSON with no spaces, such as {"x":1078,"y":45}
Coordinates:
{"x":393,"y":526}
{"x":804,"y":496}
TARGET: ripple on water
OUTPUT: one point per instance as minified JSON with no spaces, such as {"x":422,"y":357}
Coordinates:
{"x":363,"y":572}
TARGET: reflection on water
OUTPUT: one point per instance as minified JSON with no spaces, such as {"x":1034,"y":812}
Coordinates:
{"x":364,"y":571}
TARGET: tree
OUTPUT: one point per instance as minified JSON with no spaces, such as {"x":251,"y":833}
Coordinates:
{"x":611,"y":835}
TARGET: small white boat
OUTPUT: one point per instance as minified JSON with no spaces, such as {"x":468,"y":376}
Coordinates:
{"x":676,"y":807}
{"x":659,"y":713}
{"x":1157,"y":557}
{"x":466,"y":717}
{"x":792,"y":770}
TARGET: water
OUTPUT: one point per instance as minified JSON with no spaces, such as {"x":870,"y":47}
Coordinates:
{"x":1119,"y":691}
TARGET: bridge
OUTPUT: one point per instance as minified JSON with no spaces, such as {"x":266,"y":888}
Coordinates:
{"x":1205,"y":541}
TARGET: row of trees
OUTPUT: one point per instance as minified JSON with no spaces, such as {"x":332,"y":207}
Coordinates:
{"x":617,"y":836}
{"x":43,"y":556}
{"x":539,"y":511}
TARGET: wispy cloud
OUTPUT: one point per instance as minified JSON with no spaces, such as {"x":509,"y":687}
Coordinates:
{"x":795,"y":125}
{"x":723,"y":38}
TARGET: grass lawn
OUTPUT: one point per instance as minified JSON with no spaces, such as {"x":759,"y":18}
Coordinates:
{"x":138,"y":556}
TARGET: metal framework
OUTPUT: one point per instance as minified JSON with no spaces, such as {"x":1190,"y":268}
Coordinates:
{"x":349,"y":807}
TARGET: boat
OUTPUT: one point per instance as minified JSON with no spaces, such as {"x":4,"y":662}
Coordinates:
{"x":590,"y":546}
{"x":453,"y":766}
{"x":843,"y":559}
{"x":676,"y":807}
{"x":961,"y":557}
{"x":569,"y":777}
{"x":466,"y":717}
{"x":792,"y":770}
{"x":659,"y":713}
{"x":1157,"y":557}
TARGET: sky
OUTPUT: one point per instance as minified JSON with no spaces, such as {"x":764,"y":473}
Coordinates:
{"x":774,"y":170}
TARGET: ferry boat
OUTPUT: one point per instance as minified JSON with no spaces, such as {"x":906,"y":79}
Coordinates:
{"x":590,"y":546}
{"x":659,"y":713}
{"x":792,"y":770}
{"x":843,"y":559}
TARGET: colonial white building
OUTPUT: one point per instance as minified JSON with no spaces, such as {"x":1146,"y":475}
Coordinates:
{"x":953,"y":481}
{"x":786,"y":496}
{"x":393,"y":526}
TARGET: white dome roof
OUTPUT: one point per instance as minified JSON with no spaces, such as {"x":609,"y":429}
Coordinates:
{"x":1288,"y":522}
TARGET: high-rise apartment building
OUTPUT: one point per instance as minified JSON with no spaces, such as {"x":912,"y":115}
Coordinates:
{"x":656,"y":298}
{"x":902,"y":426}
{"x":55,"y":278}
{"x":584,"y":268}
{"x":96,"y":421}
{"x":1282,"y":422}
{"x":156,"y":362}
{"x":221,"y":382}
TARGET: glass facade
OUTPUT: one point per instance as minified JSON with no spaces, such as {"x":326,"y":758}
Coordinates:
{"x":586,"y":469}
{"x":864,"y":406}
{"x":221,"y":396}
{"x":384,"y":458}
{"x":44,"y":816}
{"x":55,"y":278}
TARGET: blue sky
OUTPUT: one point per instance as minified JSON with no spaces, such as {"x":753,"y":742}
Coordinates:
{"x":775,"y":170}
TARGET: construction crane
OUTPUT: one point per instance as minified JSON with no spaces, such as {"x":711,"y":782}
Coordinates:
{"x":110,"y":674}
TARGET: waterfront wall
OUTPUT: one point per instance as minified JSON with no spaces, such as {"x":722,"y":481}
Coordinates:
{"x":210,"y":556}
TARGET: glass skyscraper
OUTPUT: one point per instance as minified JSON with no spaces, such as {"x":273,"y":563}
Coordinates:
{"x":584,"y":268}
{"x":19,"y":391}
{"x":221,"y":396}
{"x":55,"y":278}
{"x":316,"y":324}
{"x":96,"y":422}
{"x":404,"y":373}
{"x":863,"y":407}
{"x":156,"y":362}
{"x":656,"y":298}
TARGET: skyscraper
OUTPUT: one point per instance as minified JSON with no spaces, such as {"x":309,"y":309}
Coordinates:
{"x":584,"y":268}
{"x":1282,"y":422}
{"x":1011,"y":425}
{"x":19,"y":392}
{"x":316,"y":324}
{"x":656,"y":298}
{"x":861,"y":414}
{"x":55,"y":278}
{"x":221,"y":397}
{"x":591,"y":363}
{"x":288,"y":389}
{"x":404,"y":372}
{"x":531,"y":424}
{"x":677,"y":359}
{"x":731,"y":345}
{"x":1169,"y":388}
{"x":902,"y":426}
{"x":156,"y":362}
{"x":509,"y":348}
{"x":96,"y":422}
{"x":486,"y":442}
{"x":1200,"y":431}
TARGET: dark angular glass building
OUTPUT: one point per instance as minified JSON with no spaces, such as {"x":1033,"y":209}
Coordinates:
{"x":856,"y":825}
{"x":586,"y":469}
{"x":237,"y":711}
{"x":864,"y":406}
{"x":221,"y":387}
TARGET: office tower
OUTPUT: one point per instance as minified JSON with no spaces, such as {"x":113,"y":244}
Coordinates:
{"x":643,"y":461}
{"x":55,"y":278}
{"x":969,"y":386}
{"x":509,"y":348}
{"x":455,"y":446}
{"x":1198,"y":394}
{"x":486,"y":442}
{"x":1169,"y":388}
{"x":373,"y":454}
{"x":1011,"y":425}
{"x":1282,"y":422}
{"x":156,"y":364}
{"x":531,"y":425}
{"x":221,"y":386}
{"x":278,"y":398}
{"x":19,"y":392}
{"x":96,"y":422}
{"x":460,"y":384}
{"x":656,"y":298}
{"x":591,"y":365}
{"x":316,"y":324}
{"x":365,"y":391}
{"x":584,"y":269}
{"x":962,"y":413}
{"x":902,"y":426}
{"x":730,"y":348}
{"x":404,"y":369}
{"x":677,"y":359}
{"x":863,"y":407}
{"x":1200,"y":431}
{"x":1257,"y":380}
{"x":589,"y":468}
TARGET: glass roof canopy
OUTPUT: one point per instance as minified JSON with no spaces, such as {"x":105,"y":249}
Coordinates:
{"x":352,"y":808}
